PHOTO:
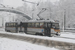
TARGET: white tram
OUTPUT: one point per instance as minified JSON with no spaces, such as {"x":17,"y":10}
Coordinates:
{"x":37,"y":27}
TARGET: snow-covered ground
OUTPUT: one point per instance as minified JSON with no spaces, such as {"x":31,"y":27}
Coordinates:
{"x":1,"y":29}
{"x":9,"y":44}
{"x":67,"y":34}
{"x":16,"y":44}
{"x":62,"y":34}
{"x":46,"y":37}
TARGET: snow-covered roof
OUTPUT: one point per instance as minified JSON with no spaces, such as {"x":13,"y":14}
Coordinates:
{"x":13,"y":22}
{"x":35,"y":21}
{"x":40,"y":21}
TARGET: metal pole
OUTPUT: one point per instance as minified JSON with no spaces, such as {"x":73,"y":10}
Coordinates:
{"x":64,"y":20}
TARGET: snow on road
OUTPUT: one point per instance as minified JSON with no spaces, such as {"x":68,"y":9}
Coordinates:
{"x":67,"y":34}
{"x":9,"y":44}
{"x":46,"y":37}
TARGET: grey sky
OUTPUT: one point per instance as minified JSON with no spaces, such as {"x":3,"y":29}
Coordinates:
{"x":16,"y":3}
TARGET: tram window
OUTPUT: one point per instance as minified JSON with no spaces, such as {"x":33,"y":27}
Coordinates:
{"x":45,"y":24}
{"x":14,"y":24}
{"x":36,"y":24}
{"x":55,"y":25}
{"x":49,"y":24}
{"x":29,"y":24}
{"x":41,"y":24}
{"x":24,"y":24}
{"x":11,"y":24}
{"x":7,"y":25}
{"x":32,"y":24}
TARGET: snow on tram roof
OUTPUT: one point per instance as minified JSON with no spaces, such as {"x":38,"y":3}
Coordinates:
{"x":35,"y":21}
{"x":40,"y":21}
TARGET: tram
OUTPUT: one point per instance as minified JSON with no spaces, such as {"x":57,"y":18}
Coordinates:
{"x":37,"y":27}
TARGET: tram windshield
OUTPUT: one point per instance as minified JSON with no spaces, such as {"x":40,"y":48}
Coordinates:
{"x":55,"y":25}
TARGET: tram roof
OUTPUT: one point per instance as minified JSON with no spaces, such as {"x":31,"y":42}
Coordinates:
{"x":35,"y":21}
{"x":11,"y":22}
{"x":40,"y":21}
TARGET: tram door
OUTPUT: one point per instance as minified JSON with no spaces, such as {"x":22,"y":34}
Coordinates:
{"x":21,"y":26}
{"x":47,"y":29}
{"x":25,"y":27}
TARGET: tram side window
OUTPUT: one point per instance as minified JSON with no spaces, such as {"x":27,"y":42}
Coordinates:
{"x":33,"y":25}
{"x":29,"y":24}
{"x":41,"y":25}
{"x":45,"y":25}
{"x":37,"y":25}
{"x":11,"y":24}
{"x":7,"y":25}
{"x":49,"y":24}
{"x":53,"y":25}
{"x":14,"y":24}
